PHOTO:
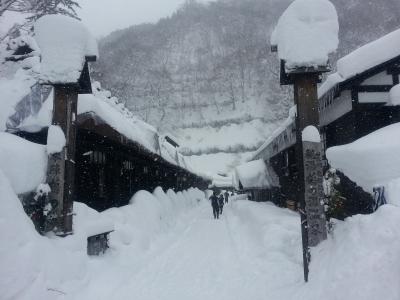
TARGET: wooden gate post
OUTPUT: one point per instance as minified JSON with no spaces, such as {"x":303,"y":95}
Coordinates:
{"x":309,"y":162}
{"x":61,"y":165}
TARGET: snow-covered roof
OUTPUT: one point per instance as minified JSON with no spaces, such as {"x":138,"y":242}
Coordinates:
{"x":286,"y":125}
{"x":119,"y":119}
{"x":306,"y":33}
{"x":371,"y":160}
{"x":24,"y":163}
{"x":255,"y":174}
{"x":363,"y":59}
{"x":65,"y":43}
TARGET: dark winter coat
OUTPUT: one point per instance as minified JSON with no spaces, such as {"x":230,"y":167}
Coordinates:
{"x":214,"y":201}
{"x":221,"y":200}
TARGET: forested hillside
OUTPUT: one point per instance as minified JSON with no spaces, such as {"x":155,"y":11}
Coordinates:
{"x":209,"y":66}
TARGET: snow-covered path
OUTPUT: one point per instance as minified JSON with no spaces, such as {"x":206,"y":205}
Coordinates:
{"x":202,"y":259}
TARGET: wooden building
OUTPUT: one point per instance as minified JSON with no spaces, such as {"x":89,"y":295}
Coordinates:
{"x":112,"y":165}
{"x":353,"y":102}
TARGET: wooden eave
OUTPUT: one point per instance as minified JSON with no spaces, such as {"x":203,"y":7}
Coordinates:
{"x":392,"y":67}
{"x":91,"y":122}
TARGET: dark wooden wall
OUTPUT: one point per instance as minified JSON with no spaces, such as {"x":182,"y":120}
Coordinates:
{"x":362,"y":120}
{"x":109,"y":173}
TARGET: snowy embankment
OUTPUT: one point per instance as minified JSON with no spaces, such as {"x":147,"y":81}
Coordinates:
{"x":371,"y":161}
{"x":359,"y":261}
{"x":168,"y":246}
{"x":37,"y":267}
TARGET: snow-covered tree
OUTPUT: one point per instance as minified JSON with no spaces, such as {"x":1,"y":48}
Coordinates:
{"x":38,"y":8}
{"x":34,"y":9}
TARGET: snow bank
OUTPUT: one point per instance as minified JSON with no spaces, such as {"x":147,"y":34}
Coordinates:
{"x":32,"y":266}
{"x":306,"y":33}
{"x":36,"y":267}
{"x":360,"y":260}
{"x":370,"y":161}
{"x":363,"y":59}
{"x":22,"y":162}
{"x":12,"y":91}
{"x":255,"y":174}
{"x":64,"y":43}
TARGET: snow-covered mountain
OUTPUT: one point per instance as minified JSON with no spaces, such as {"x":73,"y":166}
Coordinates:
{"x":206,"y":73}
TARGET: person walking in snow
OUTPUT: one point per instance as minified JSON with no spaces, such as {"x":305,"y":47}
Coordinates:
{"x":221,"y":203}
{"x":226,"y":195}
{"x":215,"y":204}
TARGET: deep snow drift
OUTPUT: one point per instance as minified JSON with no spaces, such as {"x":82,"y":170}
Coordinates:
{"x":167,"y":246}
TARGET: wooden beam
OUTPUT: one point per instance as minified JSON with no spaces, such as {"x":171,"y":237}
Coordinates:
{"x":306,"y":99}
{"x":61,"y":166}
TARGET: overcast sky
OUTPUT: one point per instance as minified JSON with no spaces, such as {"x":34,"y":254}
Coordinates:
{"x":104,"y":16}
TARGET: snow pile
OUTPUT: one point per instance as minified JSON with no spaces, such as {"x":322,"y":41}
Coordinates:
{"x":22,"y":162}
{"x":395,"y":95}
{"x":32,"y":266}
{"x":222,"y":181}
{"x":55,"y":139}
{"x":363,"y":59}
{"x":255,"y":174}
{"x":370,"y":161}
{"x":12,"y":91}
{"x":311,"y":134}
{"x":306,"y":33}
{"x":360,"y":260}
{"x":36,"y":267}
{"x":64,"y":44}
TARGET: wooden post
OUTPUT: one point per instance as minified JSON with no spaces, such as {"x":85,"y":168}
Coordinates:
{"x":306,"y":99}
{"x":61,"y":166}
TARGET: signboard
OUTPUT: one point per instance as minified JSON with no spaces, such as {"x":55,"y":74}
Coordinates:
{"x":314,"y":193}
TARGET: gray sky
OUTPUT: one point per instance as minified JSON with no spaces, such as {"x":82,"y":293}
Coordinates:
{"x":104,"y":16}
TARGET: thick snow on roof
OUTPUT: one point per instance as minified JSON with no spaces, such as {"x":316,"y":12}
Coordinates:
{"x":281,"y":129}
{"x":373,"y":160}
{"x":64,"y":43}
{"x":129,"y":126}
{"x":363,"y":59}
{"x":254,"y":174}
{"x":306,"y":33}
{"x":22,"y":162}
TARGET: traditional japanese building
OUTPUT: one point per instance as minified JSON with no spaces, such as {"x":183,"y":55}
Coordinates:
{"x":353,"y":102}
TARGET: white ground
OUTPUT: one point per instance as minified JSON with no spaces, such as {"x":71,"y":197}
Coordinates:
{"x":167,"y":246}
{"x":205,"y":258}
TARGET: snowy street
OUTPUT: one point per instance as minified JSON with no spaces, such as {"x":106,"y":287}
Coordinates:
{"x":121,"y":142}
{"x":203,"y":258}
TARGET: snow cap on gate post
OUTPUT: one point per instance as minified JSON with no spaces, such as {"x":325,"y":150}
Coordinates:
{"x":311,"y":134}
{"x":305,"y":35}
{"x":66,"y":48}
